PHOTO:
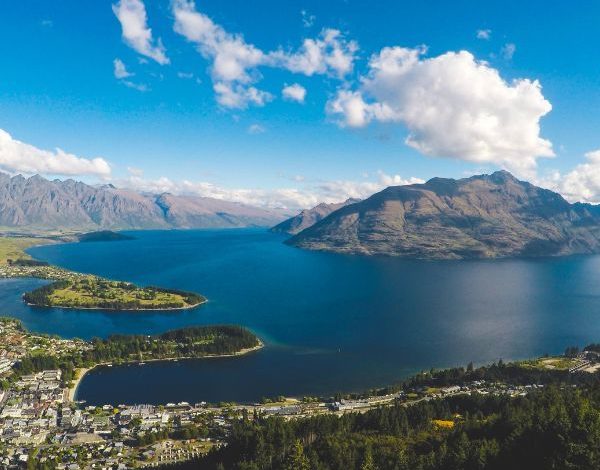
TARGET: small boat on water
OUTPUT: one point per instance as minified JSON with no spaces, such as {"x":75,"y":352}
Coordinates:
{"x":142,"y":364}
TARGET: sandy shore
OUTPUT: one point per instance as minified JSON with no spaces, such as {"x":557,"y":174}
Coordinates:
{"x":81,"y":372}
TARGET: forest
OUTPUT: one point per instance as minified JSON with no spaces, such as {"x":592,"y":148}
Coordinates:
{"x":553,"y":428}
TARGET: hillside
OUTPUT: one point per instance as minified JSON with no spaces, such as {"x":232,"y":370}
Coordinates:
{"x":484,"y":216}
{"x":39,"y":203}
{"x":309,"y":217}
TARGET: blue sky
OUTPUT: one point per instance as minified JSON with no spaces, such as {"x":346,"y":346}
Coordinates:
{"x":161,"y":123}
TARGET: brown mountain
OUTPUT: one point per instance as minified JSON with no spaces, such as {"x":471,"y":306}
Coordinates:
{"x":484,"y":216}
{"x":38,"y":203}
{"x":309,"y":217}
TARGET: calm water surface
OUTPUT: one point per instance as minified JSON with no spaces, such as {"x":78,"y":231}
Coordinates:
{"x":331,"y":322}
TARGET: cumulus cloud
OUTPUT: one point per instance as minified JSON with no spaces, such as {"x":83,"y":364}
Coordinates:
{"x":484,"y":34}
{"x":330,"y":53}
{"x":307,"y":195}
{"x":235,"y":62}
{"x":294,"y":92}
{"x":452,"y":105}
{"x":582,"y":183}
{"x":120,"y":70}
{"x":339,"y":190}
{"x":232,"y":58}
{"x":17,"y":156}
{"x":136,"y":33}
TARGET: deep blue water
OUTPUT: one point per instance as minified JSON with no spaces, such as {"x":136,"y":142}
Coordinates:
{"x":331,"y":322}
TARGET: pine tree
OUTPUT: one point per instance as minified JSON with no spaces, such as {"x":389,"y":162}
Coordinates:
{"x":297,"y":460}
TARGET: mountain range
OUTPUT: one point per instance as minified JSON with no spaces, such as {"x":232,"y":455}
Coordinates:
{"x":484,"y":216}
{"x":39,"y":203}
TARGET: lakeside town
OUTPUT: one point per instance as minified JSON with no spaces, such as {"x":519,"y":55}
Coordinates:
{"x":43,"y":427}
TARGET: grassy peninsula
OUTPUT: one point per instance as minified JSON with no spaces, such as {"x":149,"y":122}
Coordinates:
{"x":84,"y":291}
{"x":91,"y":292}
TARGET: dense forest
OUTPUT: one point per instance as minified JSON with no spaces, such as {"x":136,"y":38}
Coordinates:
{"x":554,"y":428}
{"x":197,"y":341}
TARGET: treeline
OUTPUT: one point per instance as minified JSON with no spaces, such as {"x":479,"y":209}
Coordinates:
{"x":196,"y":341}
{"x":41,"y":295}
{"x":554,"y":428}
{"x":190,"y":297}
{"x":27,"y":262}
{"x":512,"y":373}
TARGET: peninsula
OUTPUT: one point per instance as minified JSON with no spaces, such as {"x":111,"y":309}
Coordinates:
{"x":92,"y":292}
{"x":84,"y":291}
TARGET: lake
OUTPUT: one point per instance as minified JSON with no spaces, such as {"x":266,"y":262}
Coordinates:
{"x":330,"y":322}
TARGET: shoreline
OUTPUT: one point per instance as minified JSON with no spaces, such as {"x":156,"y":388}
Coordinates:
{"x":82,"y":371}
{"x":165,"y":309}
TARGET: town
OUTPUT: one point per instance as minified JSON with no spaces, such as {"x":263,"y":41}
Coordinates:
{"x":41,"y":426}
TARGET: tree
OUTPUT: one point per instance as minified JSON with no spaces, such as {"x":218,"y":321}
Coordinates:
{"x":296,"y":460}
{"x":368,"y":463}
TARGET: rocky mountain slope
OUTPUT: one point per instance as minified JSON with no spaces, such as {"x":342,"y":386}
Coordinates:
{"x":309,"y":217}
{"x":39,"y":203}
{"x":484,"y":216}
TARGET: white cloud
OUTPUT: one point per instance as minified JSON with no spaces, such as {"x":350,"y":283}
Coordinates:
{"x":16,"y":156}
{"x":582,"y":183}
{"x":484,"y":34}
{"x":340,"y":190}
{"x":330,"y":53}
{"x":452,"y":105}
{"x":508,"y":50}
{"x":120,"y":70}
{"x":185,"y":75}
{"x":295,"y":198}
{"x":133,"y":171}
{"x":235,"y":62}
{"x":256,"y":129}
{"x":234,"y":95}
{"x":135,"y":86}
{"x":136,"y":33}
{"x":294,"y":92}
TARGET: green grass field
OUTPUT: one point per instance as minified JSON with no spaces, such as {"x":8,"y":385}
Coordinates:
{"x":99,"y":293}
{"x":550,"y":363}
{"x":13,"y":248}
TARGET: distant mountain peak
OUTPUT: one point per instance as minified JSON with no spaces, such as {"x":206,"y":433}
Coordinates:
{"x":308,"y":217}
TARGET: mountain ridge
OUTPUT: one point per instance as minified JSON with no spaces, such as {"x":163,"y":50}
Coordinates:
{"x":37,"y":202}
